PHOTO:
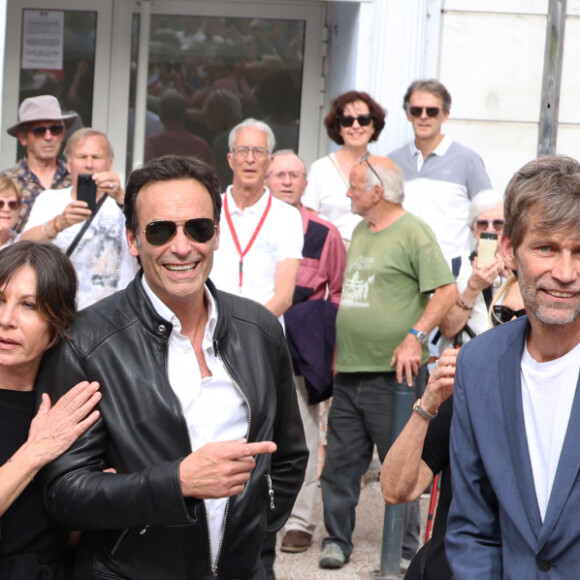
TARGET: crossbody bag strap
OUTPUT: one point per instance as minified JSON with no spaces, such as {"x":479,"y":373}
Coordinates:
{"x":85,"y":227}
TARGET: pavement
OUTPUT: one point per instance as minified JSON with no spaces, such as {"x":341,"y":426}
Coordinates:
{"x":367,"y":539}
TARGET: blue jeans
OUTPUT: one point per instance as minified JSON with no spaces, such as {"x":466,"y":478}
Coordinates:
{"x":360,"y":417}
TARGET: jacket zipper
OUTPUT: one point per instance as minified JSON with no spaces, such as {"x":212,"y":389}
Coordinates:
{"x":270,"y":490}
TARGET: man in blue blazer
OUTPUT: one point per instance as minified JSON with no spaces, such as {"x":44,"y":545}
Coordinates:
{"x":515,"y":435}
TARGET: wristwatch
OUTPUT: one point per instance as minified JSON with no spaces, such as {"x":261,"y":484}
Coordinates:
{"x":419,"y":335}
{"x":418,"y":409}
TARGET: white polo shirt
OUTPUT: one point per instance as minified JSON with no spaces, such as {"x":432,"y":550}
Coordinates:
{"x":280,"y":237}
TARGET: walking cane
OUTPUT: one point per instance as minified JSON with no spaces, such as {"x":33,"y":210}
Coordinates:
{"x":431,"y":515}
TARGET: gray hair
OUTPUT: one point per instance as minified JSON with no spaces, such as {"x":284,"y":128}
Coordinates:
{"x":282,"y":152}
{"x":255,"y":124}
{"x":392,"y":180}
{"x":547,"y":191}
{"x":483,"y":201}
{"x":83,"y":134}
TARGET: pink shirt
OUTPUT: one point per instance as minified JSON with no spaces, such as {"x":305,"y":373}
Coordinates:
{"x":323,"y":259}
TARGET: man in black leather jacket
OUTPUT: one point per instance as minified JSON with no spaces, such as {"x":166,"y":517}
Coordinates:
{"x":199,"y":417}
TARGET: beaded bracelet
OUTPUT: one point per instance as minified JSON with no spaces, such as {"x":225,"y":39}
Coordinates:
{"x":462,"y":304}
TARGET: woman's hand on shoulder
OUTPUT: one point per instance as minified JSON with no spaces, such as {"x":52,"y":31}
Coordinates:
{"x":56,"y":427}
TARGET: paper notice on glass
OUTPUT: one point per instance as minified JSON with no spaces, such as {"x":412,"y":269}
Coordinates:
{"x":43,"y":39}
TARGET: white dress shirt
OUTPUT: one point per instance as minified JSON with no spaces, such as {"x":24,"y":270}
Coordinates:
{"x":214,"y":407}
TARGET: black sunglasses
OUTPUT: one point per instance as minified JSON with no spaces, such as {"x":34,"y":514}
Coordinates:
{"x":365,"y":159}
{"x":363,"y":120}
{"x":54,"y":130}
{"x":418,"y":111}
{"x":198,"y":229}
{"x":483,"y":225}
{"x":502,"y":314}
{"x":11,"y":204}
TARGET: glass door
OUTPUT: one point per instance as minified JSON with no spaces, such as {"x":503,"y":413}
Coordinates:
{"x":210,"y":65}
{"x":56,"y":48}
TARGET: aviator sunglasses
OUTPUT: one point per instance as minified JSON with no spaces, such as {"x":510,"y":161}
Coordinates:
{"x":11,"y":204}
{"x":363,"y":120}
{"x":502,"y":314}
{"x":418,"y":111}
{"x":54,"y":130}
{"x":198,"y":229}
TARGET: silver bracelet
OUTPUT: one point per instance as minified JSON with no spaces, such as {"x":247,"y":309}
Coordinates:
{"x":418,"y":409}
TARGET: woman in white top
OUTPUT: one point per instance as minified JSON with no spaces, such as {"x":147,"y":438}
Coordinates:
{"x":10,"y":201}
{"x":354,"y":121}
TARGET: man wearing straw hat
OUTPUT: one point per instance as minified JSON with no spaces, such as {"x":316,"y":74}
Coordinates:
{"x":41,"y":128}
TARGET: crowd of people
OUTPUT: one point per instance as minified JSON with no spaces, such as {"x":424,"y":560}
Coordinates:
{"x":177,"y":353}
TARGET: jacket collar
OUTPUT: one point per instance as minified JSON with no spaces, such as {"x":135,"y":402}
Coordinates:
{"x":149,"y":316}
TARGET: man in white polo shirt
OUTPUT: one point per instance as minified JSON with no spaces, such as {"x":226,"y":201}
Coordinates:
{"x":441,"y":176}
{"x":261,"y":237}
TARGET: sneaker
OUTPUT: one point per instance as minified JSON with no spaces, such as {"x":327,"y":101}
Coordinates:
{"x":332,"y":557}
{"x":296,"y":541}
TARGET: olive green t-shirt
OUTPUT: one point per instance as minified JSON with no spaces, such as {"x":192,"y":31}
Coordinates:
{"x":388,"y":278}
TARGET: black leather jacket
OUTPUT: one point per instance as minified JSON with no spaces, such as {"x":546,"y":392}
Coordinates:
{"x":136,"y":523}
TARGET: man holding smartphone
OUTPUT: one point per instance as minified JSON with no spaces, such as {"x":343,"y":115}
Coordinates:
{"x":94,"y":240}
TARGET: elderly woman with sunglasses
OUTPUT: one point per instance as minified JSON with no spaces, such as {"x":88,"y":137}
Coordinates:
{"x":37,"y":301}
{"x":354,"y":121}
{"x":10,"y":200}
{"x":476,"y":282}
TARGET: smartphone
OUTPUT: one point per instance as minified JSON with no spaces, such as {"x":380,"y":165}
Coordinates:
{"x":486,"y":248}
{"x":87,"y":190}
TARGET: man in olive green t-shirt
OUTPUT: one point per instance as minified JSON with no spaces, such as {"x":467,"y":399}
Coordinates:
{"x":386,"y":313}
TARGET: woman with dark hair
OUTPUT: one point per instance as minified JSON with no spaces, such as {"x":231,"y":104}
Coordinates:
{"x":37,"y":302}
{"x":354,"y":121}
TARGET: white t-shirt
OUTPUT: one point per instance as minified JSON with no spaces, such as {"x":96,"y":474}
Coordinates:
{"x":326,"y":194}
{"x":280,"y":237}
{"x":548,"y":391}
{"x":101,"y":258}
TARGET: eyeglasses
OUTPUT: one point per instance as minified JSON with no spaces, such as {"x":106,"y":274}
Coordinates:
{"x":54,"y":130}
{"x":418,"y":111}
{"x":198,"y":229}
{"x":348,"y":120}
{"x":365,"y":159}
{"x":11,"y":204}
{"x":293,"y":175}
{"x":501,"y":314}
{"x":483,"y":225}
{"x":257,"y":152}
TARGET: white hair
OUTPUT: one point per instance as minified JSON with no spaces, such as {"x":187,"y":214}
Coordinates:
{"x":254,"y":123}
{"x":483,"y":201}
{"x":392,"y":178}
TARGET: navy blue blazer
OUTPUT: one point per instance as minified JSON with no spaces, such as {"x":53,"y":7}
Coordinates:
{"x":495,"y":529}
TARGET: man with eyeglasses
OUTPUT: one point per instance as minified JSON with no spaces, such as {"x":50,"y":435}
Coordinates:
{"x":515,"y":458}
{"x":384,"y":318}
{"x":261,"y":236}
{"x":199,"y":421}
{"x":310,"y":329}
{"x":41,"y":129}
{"x":441,"y":176}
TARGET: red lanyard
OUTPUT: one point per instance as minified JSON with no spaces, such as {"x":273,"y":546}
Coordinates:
{"x":252,"y":239}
